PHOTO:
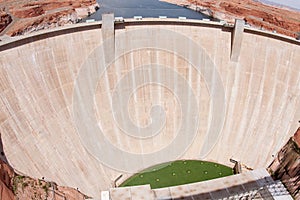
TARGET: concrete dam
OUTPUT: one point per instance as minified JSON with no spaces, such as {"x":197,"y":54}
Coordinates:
{"x":83,"y":104}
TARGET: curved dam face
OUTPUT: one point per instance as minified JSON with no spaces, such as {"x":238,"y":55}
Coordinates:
{"x":80,"y":108}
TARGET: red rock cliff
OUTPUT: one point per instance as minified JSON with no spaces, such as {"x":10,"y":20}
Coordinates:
{"x":286,"y":165}
{"x":6,"y":175}
{"x":17,"y":187}
{"x":23,"y":16}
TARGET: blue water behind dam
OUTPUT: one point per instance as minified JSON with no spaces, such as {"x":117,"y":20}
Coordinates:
{"x":144,"y":8}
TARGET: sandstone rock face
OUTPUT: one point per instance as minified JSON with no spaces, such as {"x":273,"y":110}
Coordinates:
{"x":256,"y":14}
{"x":6,"y":174}
{"x":19,"y":187}
{"x":286,"y":165}
{"x":5,"y":19}
{"x":297,"y":137}
{"x":25,"y":187}
{"x":14,"y":186}
{"x":28,"y":16}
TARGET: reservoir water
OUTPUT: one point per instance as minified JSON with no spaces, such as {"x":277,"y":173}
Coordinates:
{"x":144,"y":8}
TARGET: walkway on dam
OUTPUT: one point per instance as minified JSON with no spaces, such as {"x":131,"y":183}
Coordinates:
{"x":256,"y":184}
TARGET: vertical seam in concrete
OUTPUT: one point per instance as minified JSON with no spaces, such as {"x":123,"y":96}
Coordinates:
{"x":237,"y":39}
{"x":108,"y":35}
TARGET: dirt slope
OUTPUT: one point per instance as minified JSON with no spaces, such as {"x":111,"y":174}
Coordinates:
{"x":6,"y":175}
{"x":14,"y":186}
{"x":23,"y":16}
{"x":281,"y":20}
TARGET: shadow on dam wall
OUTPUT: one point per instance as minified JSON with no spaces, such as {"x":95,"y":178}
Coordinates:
{"x":2,"y":155}
{"x":46,"y":79}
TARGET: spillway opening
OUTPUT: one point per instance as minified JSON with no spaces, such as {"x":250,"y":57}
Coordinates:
{"x":178,"y":173}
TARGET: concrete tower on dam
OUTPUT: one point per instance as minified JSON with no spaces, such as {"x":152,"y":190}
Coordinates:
{"x":82,"y":104}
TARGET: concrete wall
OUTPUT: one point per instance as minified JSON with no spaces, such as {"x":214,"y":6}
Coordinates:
{"x":38,"y":77}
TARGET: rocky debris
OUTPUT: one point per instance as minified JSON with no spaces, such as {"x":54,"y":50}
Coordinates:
{"x":19,"y":187}
{"x":23,"y":27}
{"x":297,"y":137}
{"x":266,"y":17}
{"x":25,"y":187}
{"x":6,"y":175}
{"x":83,"y":12}
{"x":70,"y":193}
{"x":14,"y":186}
{"x":5,"y":19}
{"x":286,"y":165}
{"x":28,"y":15}
{"x":28,"y":12}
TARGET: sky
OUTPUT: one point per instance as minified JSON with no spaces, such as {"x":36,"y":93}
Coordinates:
{"x":290,"y":3}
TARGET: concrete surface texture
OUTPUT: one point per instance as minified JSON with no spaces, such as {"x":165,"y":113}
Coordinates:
{"x":170,"y":92}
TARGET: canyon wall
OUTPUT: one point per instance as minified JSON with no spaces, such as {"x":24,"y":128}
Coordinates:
{"x":24,"y":16}
{"x":18,"y":187}
{"x":286,"y":166}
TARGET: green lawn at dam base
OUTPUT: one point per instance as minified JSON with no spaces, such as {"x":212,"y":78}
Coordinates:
{"x":178,"y":173}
